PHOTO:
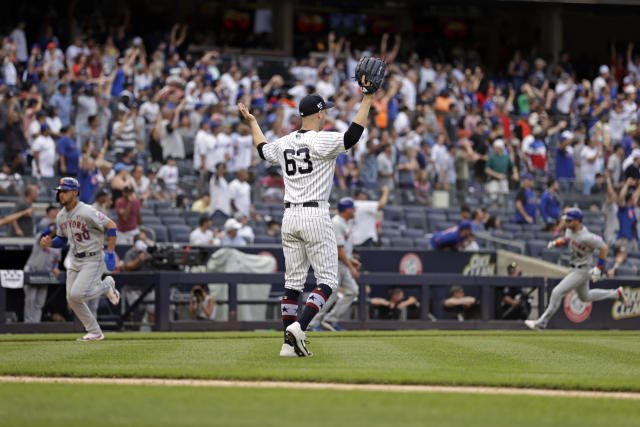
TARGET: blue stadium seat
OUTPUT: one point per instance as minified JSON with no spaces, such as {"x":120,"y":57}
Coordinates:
{"x":625,"y":272}
{"x":422,"y":243}
{"x":413,"y":233}
{"x":178,"y":231}
{"x":265,"y":240}
{"x":401,"y":242}
{"x":219,"y":219}
{"x":391,"y":233}
{"x":180,"y":237}
{"x":170,"y":220}
{"x":151,"y":220}
{"x":535,"y":247}
{"x":160,"y":232}
{"x":393,"y":213}
{"x":416,"y":220}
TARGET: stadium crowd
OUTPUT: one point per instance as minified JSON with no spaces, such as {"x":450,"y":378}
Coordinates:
{"x":149,"y":129}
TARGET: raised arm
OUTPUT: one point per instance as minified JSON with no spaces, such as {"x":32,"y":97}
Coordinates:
{"x":256,"y":132}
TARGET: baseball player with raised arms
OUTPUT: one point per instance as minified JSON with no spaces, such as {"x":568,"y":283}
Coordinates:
{"x":84,"y":229}
{"x":581,"y":244}
{"x":347,"y":270}
{"x":308,"y":158}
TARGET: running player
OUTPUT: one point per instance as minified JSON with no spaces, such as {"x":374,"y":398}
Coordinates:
{"x":308,"y":158}
{"x":581,"y":244}
{"x":84,"y":228}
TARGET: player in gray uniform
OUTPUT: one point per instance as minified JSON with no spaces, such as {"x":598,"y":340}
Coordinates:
{"x":581,"y":244}
{"x":308,"y":159}
{"x":84,"y":228}
{"x":41,"y":260}
{"x":331,"y":313}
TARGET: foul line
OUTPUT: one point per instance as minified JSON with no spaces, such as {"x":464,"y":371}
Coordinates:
{"x":327,"y":386}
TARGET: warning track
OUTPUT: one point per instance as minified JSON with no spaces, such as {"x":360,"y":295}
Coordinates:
{"x":328,"y":386}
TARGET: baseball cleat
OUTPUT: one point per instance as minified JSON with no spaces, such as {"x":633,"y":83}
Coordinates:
{"x":287,"y":351}
{"x":111,"y":292}
{"x":297,"y":337}
{"x":91,"y":337}
{"x":531,"y":324}
{"x":622,"y":296}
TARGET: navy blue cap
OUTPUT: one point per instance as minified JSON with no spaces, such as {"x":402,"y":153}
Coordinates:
{"x":573,"y":213}
{"x":464,"y":225}
{"x":313,"y":103}
{"x":345,"y":203}
{"x":527,"y":176}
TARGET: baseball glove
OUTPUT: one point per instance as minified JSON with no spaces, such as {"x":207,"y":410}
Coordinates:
{"x":370,"y":74}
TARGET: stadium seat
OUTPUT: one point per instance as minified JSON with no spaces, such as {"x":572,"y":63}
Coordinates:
{"x":401,"y":242}
{"x":170,"y":220}
{"x":264,"y":239}
{"x":422,"y":243}
{"x":151,"y":220}
{"x":514,"y":228}
{"x":551,"y":255}
{"x":160,"y":232}
{"x":391,"y":233}
{"x":180,"y":237}
{"x":413,"y":233}
{"x":219,"y":219}
{"x":416,"y":220}
{"x":625,"y":272}
{"x":393,"y":213}
{"x":147,"y":211}
{"x":166,"y":212}
{"x":162,"y":204}
{"x":535,"y":247}
{"x":178,"y":231}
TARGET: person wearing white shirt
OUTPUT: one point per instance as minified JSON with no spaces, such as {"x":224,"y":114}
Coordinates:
{"x":324,"y":87}
{"x":365,"y":231}
{"x":601,"y":81}
{"x":409,"y":91}
{"x":298,"y":91}
{"x":590,"y":166}
{"x":224,"y":143}
{"x":243,"y":148}
{"x":246,"y":232}
{"x":44,"y":154}
{"x":565,"y":90}
{"x":231,"y":81}
{"x":240,"y":193}
{"x":231,"y":236}
{"x":203,"y":148}
{"x":10,"y":72}
{"x":427,"y":74}
{"x":203,"y":235}
{"x":219,"y":191}
{"x":169,"y":175}
{"x":20,"y":39}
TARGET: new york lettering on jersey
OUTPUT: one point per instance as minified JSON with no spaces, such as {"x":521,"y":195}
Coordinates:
{"x":83,"y":227}
{"x":308,"y":160}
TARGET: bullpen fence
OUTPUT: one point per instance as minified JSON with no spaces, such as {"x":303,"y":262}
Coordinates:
{"x":429,"y":289}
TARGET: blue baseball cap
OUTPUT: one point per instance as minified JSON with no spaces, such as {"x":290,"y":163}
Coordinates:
{"x":464,"y":225}
{"x":527,"y":176}
{"x":345,"y":203}
{"x":313,"y":103}
{"x":68,"y":183}
{"x":573,"y":213}
{"x":44,"y":127}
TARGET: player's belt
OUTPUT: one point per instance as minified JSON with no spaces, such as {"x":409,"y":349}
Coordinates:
{"x":304,"y":205}
{"x":85,"y":254}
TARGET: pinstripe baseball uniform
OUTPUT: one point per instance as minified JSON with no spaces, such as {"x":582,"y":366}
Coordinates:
{"x":84,"y":229}
{"x":308,"y":161}
{"x":581,"y":246}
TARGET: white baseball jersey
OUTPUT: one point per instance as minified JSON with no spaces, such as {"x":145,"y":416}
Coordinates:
{"x":342,"y":229}
{"x":581,"y":246}
{"x":83,"y":227}
{"x":308,"y":160}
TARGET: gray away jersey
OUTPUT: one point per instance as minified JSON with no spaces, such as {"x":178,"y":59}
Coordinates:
{"x":343,"y":234}
{"x":308,"y":161}
{"x":83,"y":227}
{"x":581,"y":246}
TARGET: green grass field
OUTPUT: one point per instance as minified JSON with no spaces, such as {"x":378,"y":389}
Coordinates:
{"x":605,"y":360}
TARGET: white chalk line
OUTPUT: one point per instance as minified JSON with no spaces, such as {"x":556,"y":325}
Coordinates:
{"x":328,"y":386}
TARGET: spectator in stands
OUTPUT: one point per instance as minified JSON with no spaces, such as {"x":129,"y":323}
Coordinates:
{"x":386,"y":170}
{"x":203,"y":234}
{"x":141,"y":184}
{"x":526,"y":202}
{"x":50,"y":218}
{"x":121,"y":179}
{"x":203,"y":204}
{"x":137,"y":258}
{"x":620,"y":259}
{"x":44,"y":154}
{"x":157,"y":186}
{"x":231,"y":237}
{"x":10,"y":183}
{"x":479,"y":218}
{"x":498,"y":167}
{"x":614,"y":163}
{"x":69,"y":152}
{"x":201,"y":304}
{"x":23,"y":227}
{"x":129,"y":218}
{"x":246,"y":232}
{"x":599,"y":187}
{"x":273,"y":228}
{"x":368,"y":176}
{"x":493,"y":223}
{"x":631,"y":165}
{"x":364,"y":221}
{"x":273,"y":184}
{"x":564,"y":161}
{"x":512,"y":301}
{"x":63,"y":102}
{"x":41,"y":260}
{"x":240,"y":193}
{"x":550,"y":205}
{"x":454,"y":238}
{"x":393,"y":308}
{"x":91,"y":133}
{"x":170,"y":176}
{"x":463,"y":307}
{"x":103,"y":202}
{"x":219,"y":191}
{"x":591,"y":164}
{"x":465,"y":213}
{"x":627,"y":221}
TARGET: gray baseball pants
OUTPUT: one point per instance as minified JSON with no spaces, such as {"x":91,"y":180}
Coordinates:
{"x":331,"y":312}
{"x":84,"y":284}
{"x":578,"y":279}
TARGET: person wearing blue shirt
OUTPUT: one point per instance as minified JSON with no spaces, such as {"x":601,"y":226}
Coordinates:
{"x":88,"y":179}
{"x":452,"y":238}
{"x":627,"y":231}
{"x":550,"y":205}
{"x":526,"y":201}
{"x":231,"y":236}
{"x":62,"y":101}
{"x":564,"y":161}
{"x":69,"y":152}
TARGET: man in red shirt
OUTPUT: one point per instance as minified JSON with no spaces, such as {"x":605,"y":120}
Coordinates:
{"x":129,"y":218}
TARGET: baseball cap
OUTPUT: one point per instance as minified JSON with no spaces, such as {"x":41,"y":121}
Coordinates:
{"x":232,"y":224}
{"x":51,"y":45}
{"x":313,"y":103}
{"x":573,"y":213}
{"x":498,"y":143}
{"x":527,"y":176}
{"x":567,"y":134}
{"x":345,"y":203}
{"x":604,"y":69}
{"x":120,"y":167}
{"x":464,"y":225}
